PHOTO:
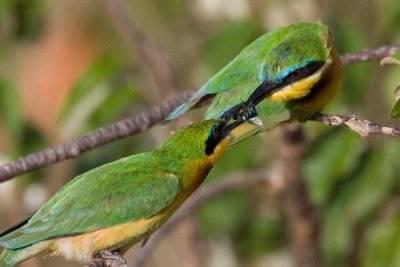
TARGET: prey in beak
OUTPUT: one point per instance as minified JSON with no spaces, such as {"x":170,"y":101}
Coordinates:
{"x":247,"y":111}
{"x":240,"y":113}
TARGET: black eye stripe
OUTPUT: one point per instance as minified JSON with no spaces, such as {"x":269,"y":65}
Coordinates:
{"x":219,"y":132}
{"x":214,"y":137}
{"x":303,"y":72}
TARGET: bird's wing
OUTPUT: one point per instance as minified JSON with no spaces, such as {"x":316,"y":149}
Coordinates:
{"x":110,"y":195}
{"x":242,"y":71}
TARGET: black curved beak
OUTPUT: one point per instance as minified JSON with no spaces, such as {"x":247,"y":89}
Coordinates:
{"x":219,"y":132}
{"x":246,"y":111}
{"x":262,"y":92}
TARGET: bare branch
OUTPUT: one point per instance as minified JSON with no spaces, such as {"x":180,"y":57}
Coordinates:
{"x":139,"y":124}
{"x":104,"y":135}
{"x":235,"y":181}
{"x":369,"y":54}
{"x":362,"y":127}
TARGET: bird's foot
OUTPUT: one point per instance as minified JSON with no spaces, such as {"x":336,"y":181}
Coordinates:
{"x":108,"y":259}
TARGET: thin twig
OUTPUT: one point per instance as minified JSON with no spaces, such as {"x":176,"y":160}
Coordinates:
{"x":369,"y":54}
{"x":235,"y":181}
{"x":138,"y":124}
{"x":362,"y":127}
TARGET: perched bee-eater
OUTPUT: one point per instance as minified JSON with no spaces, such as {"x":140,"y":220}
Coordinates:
{"x":296,"y":67}
{"x":114,"y":206}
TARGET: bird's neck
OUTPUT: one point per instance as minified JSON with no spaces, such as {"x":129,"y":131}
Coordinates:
{"x":196,"y":170}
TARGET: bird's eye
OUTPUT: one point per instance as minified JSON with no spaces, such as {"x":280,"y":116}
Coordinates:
{"x":214,"y":137}
{"x":296,"y":72}
{"x":295,"y":75}
{"x":303,"y":72}
{"x":215,"y":131}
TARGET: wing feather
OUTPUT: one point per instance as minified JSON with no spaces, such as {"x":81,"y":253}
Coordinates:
{"x":112,"y":194}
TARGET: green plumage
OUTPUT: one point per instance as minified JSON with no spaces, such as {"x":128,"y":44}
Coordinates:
{"x":122,"y":191}
{"x":270,"y":58}
{"x":129,"y":189}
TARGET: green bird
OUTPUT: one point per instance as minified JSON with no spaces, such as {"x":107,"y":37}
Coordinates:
{"x":116,"y":205}
{"x":296,"y":68}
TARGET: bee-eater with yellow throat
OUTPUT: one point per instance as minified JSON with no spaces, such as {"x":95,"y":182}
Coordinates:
{"x":297,"y":65}
{"x":114,"y":206}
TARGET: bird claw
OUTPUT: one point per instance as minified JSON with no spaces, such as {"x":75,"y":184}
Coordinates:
{"x":108,"y":259}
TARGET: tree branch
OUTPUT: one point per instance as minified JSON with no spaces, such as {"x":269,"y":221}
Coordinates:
{"x":104,"y":135}
{"x":362,"y":127}
{"x":138,"y":124}
{"x":369,"y":54}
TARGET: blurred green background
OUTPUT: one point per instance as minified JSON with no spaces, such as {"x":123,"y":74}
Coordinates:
{"x":65,"y":70}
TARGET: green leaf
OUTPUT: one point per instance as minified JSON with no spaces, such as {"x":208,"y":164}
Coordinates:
{"x":395,"y":111}
{"x":394,"y":60}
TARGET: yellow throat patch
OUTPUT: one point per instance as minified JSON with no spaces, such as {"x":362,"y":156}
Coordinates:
{"x":299,"y":89}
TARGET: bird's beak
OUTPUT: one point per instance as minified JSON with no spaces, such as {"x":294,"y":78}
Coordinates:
{"x":259,"y":94}
{"x":262,"y":91}
{"x":240,"y":130}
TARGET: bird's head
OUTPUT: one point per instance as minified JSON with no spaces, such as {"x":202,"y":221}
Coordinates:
{"x":208,"y":138}
{"x":297,"y":60}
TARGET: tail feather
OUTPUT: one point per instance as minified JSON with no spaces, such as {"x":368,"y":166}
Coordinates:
{"x":6,"y":258}
{"x":15,"y":227}
{"x":11,"y":257}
